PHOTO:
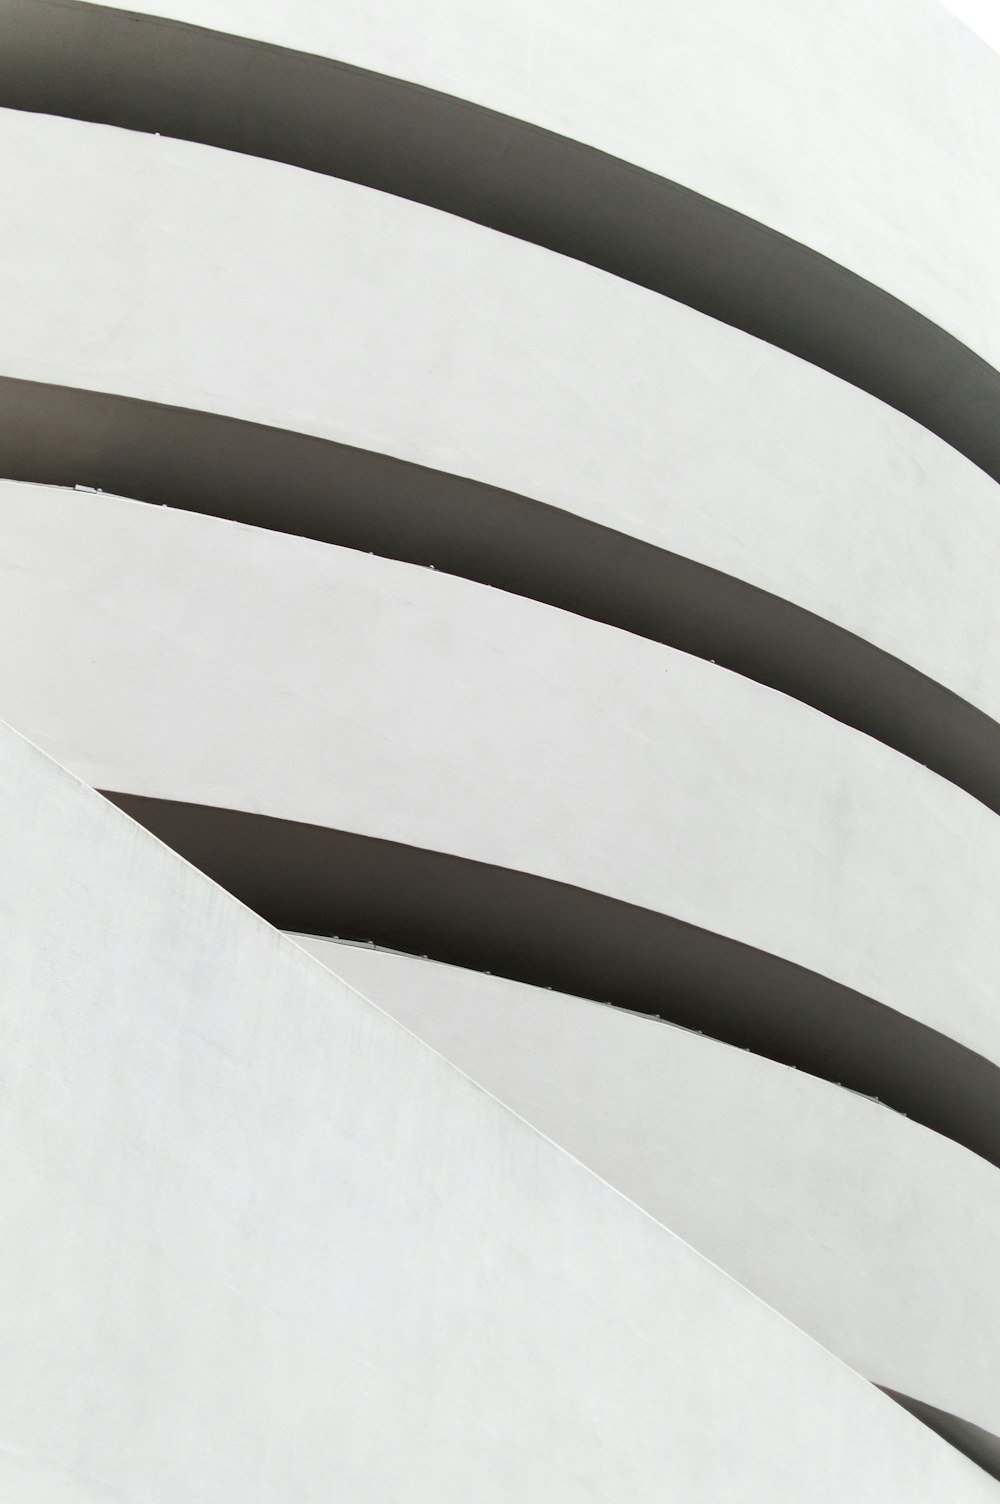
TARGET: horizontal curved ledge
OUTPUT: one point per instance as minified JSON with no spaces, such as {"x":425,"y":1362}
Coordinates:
{"x":65,"y":57}
{"x":257,"y":1144}
{"x":982,"y":1446}
{"x":838,"y":1213}
{"x":315,"y":488}
{"x":315,"y":880}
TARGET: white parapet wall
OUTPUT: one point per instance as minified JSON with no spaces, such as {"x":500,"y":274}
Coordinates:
{"x":866,"y":133}
{"x":180,"y":657}
{"x":148,"y":269}
{"x":837,"y":1211}
{"x":514,"y":487}
{"x":262,"y":1243}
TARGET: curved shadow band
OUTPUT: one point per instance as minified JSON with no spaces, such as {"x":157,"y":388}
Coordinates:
{"x":70,"y":58}
{"x":314,"y":880}
{"x":313,"y":488}
{"x":982,"y":1446}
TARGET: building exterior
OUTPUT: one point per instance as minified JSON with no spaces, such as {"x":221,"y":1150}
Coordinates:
{"x":504,"y":502}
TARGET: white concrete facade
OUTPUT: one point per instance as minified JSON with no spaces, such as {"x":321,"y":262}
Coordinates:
{"x":845,"y":1225}
{"x":768,"y":210}
{"x":263,"y":1243}
{"x":341,"y":690}
{"x":517,"y":492}
{"x":856,"y":97}
{"x":498,"y":363}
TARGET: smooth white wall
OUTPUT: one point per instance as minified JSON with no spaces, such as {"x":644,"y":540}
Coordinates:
{"x":981,"y":16}
{"x":168,"y":654}
{"x":840,"y":1213}
{"x":146,"y":267}
{"x":866,"y":131}
{"x":261,"y":1243}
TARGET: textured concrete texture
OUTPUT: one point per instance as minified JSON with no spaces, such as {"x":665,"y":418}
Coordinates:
{"x":384,"y":326}
{"x":838,"y":1212}
{"x":263,"y":1243}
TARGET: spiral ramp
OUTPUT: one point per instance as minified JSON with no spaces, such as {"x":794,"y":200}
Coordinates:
{"x":512,"y":499}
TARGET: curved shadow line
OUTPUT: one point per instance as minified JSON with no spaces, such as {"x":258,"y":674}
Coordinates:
{"x":979,"y":1445}
{"x":315,"y":880}
{"x":313,"y":488}
{"x":80,"y":60}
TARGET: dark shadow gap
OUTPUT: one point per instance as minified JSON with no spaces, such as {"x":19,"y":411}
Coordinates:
{"x":982,"y":1447}
{"x":66,"y":57}
{"x":292,"y":483}
{"x":328,"y":882}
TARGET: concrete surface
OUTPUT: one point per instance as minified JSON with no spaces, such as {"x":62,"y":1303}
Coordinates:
{"x":841,"y":1214}
{"x":262,"y":1242}
{"x":641,"y":141}
{"x":180,"y":657}
{"x":856,"y":97}
{"x":389,"y":328}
